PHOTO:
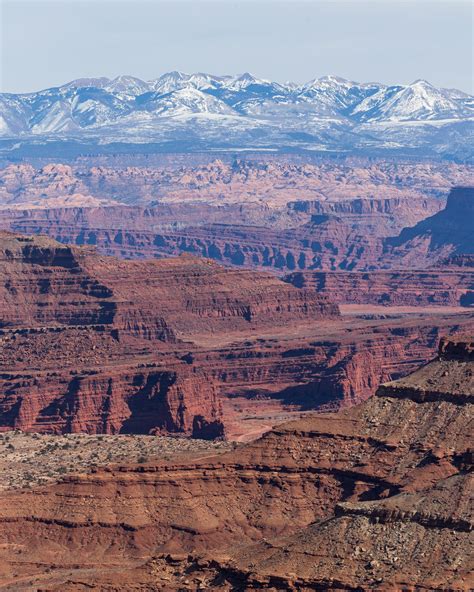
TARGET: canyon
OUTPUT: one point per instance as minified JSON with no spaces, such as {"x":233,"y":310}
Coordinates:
{"x":95,"y":344}
{"x":278,"y":215}
{"x":236,"y":312}
{"x":372,"y":497}
{"x":222,"y":373}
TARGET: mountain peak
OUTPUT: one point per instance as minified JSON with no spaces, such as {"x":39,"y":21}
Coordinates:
{"x":241,"y":110}
{"x":81,"y":82}
{"x":421,"y":82}
{"x":328,"y":80}
{"x":334,"y":79}
{"x":418,"y":101}
{"x":246,"y":77}
{"x":175,"y":74}
{"x":128,"y":85}
{"x":244,"y":80}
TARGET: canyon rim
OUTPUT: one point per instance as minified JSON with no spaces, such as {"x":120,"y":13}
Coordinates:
{"x":236,"y":296}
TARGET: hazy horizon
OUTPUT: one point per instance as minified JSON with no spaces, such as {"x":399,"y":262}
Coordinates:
{"x":47,"y":43}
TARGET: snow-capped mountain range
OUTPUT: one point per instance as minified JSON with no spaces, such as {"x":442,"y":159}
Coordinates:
{"x":237,"y":112}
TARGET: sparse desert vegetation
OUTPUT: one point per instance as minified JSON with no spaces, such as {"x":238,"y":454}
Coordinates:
{"x":30,"y":459}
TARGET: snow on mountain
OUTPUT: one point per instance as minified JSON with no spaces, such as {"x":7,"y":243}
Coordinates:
{"x":57,"y":119}
{"x":249,"y":95}
{"x":14,"y":115}
{"x":203,"y":81}
{"x":81,"y":107}
{"x":182,"y":102}
{"x":454,"y":93}
{"x":335,"y":95}
{"x":87,"y":82}
{"x":169,"y":82}
{"x":417,"y":101}
{"x":242,"y":82}
{"x":326,"y":113}
{"x":97,"y":106}
{"x":127,"y":86}
{"x":172,"y":81}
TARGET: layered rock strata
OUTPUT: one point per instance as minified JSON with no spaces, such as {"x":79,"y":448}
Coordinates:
{"x":300,"y":235}
{"x":61,"y":285}
{"x":358,"y":234}
{"x":77,"y":351}
{"x":361,"y":499}
{"x":447,"y":285}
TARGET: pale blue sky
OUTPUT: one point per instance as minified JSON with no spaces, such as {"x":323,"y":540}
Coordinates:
{"x":47,"y":43}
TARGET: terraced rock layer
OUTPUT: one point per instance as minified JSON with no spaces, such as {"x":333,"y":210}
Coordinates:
{"x":330,"y":234}
{"x":94,"y":355}
{"x":448,"y":285}
{"x":350,"y":235}
{"x":362,"y":499}
{"x":183,"y":345}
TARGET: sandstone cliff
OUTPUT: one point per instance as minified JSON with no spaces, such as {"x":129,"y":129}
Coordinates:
{"x":357,"y":500}
{"x":445,"y":234}
{"x":182,"y":345}
{"x":93,"y":344}
{"x":444,"y":285}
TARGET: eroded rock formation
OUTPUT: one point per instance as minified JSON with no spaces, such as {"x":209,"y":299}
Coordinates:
{"x":96,"y":344}
{"x":273,"y":180}
{"x":361,"y":499}
{"x":75,"y":353}
{"x":450,"y":284}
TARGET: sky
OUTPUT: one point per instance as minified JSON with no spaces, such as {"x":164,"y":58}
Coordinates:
{"x":48,"y":43}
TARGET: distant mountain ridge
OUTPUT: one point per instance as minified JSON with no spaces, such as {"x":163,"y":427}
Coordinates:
{"x":225,"y":112}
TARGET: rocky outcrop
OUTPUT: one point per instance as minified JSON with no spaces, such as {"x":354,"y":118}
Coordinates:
{"x":447,"y":233}
{"x":126,"y":400}
{"x":43,"y":283}
{"x":383,"y":545}
{"x":96,"y":337}
{"x":64,"y":379}
{"x":315,"y":370}
{"x":447,"y":285}
{"x":347,"y":500}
